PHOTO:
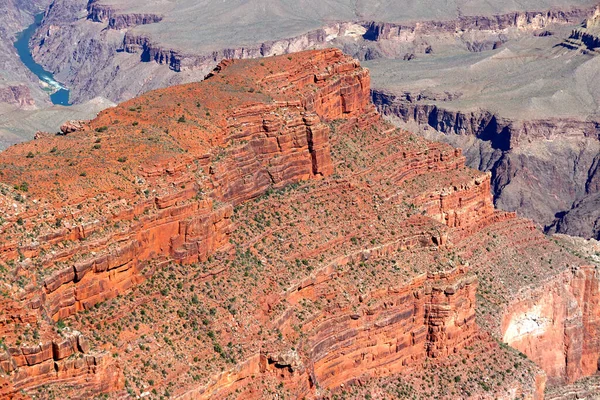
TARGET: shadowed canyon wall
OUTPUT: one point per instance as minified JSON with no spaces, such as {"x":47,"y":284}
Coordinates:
{"x":530,"y":161}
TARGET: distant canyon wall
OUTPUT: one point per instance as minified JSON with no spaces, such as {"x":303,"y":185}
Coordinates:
{"x":106,"y":14}
{"x":546,"y":169}
{"x":586,"y":38}
{"x":101,"y":55}
{"x":524,"y":20}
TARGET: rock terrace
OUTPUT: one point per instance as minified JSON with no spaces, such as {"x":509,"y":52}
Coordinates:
{"x":264,"y":232}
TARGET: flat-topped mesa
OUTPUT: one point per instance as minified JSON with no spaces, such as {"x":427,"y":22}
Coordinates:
{"x":104,"y":13}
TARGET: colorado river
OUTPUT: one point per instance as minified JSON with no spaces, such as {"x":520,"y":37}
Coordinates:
{"x":61,"y":93}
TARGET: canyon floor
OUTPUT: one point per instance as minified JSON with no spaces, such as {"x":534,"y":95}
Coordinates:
{"x":272,"y":236}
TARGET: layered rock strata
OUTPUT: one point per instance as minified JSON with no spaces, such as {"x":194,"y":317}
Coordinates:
{"x":516,"y":153}
{"x":269,"y":234}
{"x":557,"y":325}
{"x":106,"y":14}
{"x":525,"y":20}
{"x":362,"y":37}
{"x":587,"y":37}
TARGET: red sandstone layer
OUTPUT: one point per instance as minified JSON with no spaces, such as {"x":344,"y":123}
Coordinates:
{"x":275,"y":232}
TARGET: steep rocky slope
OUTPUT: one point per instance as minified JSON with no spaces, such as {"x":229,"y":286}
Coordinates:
{"x":264,"y":233}
{"x":525,"y":101}
{"x":527,"y":112}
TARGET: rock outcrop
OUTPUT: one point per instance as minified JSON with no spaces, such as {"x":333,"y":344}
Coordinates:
{"x":511,"y":150}
{"x":71,"y":126}
{"x":556,"y":327}
{"x":104,"y":13}
{"x":19,"y":95}
{"x":587,"y":37}
{"x":269,"y":234}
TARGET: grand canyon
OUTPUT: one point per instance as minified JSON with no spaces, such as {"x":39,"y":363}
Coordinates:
{"x":257,"y":219}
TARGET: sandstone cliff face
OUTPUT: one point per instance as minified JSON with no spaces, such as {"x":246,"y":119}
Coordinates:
{"x":270,"y":234}
{"x":561,"y":312}
{"x":202,"y":152}
{"x":103,"y":13}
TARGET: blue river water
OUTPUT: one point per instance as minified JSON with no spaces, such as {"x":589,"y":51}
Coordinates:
{"x":61,"y":94}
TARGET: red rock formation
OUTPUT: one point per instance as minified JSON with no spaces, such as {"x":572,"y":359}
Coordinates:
{"x":557,"y":325}
{"x":71,"y":126}
{"x":265,"y":223}
{"x":430,"y":317}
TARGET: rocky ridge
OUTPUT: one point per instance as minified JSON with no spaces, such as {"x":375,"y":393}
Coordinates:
{"x":270,"y":224}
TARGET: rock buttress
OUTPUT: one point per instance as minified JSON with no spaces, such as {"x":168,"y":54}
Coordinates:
{"x":264,"y":223}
